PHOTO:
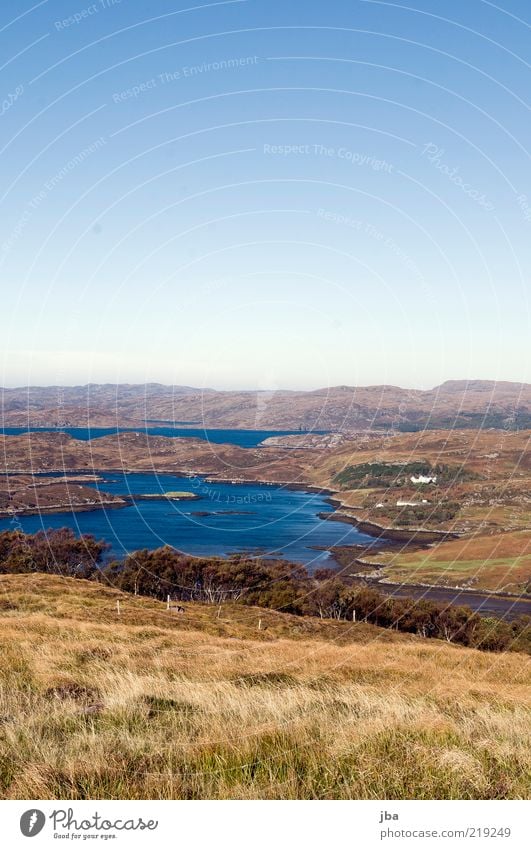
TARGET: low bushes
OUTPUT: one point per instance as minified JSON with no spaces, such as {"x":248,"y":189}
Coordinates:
{"x":278,"y":585}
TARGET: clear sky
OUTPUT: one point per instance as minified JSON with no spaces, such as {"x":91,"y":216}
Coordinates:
{"x":264,"y":194}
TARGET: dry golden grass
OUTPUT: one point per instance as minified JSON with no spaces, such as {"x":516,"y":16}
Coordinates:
{"x":154,"y":704}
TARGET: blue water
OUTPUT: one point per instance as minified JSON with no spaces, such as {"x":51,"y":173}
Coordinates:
{"x":243,"y":438}
{"x":270,"y":520}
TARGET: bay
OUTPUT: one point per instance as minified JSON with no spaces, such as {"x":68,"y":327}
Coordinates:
{"x":232,"y":436}
{"x":270,"y":520}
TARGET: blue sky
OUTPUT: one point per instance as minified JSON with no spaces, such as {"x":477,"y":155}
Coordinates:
{"x":263,"y":194}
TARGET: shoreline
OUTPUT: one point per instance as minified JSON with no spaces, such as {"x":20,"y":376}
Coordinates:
{"x":63,"y":508}
{"x":404,"y":535}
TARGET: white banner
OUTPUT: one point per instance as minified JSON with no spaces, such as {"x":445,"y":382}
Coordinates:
{"x":257,"y":825}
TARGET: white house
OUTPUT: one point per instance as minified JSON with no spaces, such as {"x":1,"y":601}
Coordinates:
{"x":423,"y":479}
{"x":412,"y":503}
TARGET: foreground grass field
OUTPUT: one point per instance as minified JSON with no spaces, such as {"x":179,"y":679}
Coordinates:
{"x":239,"y":702}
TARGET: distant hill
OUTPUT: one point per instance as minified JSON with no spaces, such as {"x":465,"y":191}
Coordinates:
{"x":453,"y":404}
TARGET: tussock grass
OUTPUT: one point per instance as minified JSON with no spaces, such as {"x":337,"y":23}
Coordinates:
{"x":151,"y":704}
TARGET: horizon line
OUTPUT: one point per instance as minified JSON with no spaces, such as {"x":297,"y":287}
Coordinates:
{"x":464,"y":382}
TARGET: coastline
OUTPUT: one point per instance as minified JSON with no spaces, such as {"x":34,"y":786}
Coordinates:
{"x":64,"y":508}
{"x":405,"y":535}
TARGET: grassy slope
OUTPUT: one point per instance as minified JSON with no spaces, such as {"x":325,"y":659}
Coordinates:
{"x":154,"y":704}
{"x":499,"y":562}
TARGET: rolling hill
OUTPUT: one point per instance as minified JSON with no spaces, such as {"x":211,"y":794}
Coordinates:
{"x":475,"y":403}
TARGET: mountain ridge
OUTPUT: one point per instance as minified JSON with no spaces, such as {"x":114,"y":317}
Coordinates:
{"x":453,"y":404}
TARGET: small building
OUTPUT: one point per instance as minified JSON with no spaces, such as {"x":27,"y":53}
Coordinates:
{"x":412,"y":503}
{"x":423,"y":479}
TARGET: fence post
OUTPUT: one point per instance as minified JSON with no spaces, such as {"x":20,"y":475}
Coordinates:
{"x":118,"y":606}
{"x":167,"y":602}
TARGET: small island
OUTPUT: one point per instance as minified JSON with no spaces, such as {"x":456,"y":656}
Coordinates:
{"x":170,"y":496}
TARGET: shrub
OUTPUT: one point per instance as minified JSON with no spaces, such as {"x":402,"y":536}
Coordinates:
{"x":53,"y":551}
